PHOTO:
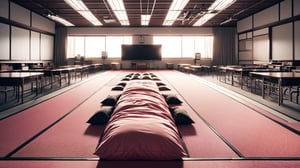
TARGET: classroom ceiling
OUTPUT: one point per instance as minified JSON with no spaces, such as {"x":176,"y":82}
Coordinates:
{"x":134,"y":8}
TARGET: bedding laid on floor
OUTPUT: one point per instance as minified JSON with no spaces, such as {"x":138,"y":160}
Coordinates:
{"x":141,"y":127}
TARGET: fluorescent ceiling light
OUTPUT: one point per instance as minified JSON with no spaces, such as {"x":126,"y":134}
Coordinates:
{"x":220,"y":5}
{"x":60,"y":20}
{"x":217,"y":6}
{"x":204,"y":19}
{"x":80,"y":7}
{"x":176,"y":8}
{"x":118,"y":8}
{"x":145,"y":19}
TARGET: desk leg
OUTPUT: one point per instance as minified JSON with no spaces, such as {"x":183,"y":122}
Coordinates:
{"x":37,"y":86}
{"x":263,"y":88}
{"x":241,"y":80}
{"x":69,"y":78}
{"x":22,"y":92}
{"x":280,"y":92}
{"x":232,"y":78}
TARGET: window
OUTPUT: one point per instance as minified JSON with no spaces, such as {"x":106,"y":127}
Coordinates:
{"x":75,"y":47}
{"x":92,"y":46}
{"x":185,"y":46}
{"x":114,"y":45}
{"x":171,"y":46}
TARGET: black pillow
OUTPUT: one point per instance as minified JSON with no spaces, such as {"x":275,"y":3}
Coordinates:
{"x":110,"y":100}
{"x":136,"y":77}
{"x":146,"y":77}
{"x":118,"y":87}
{"x":122,"y":84}
{"x":155,"y":78}
{"x":126,"y":79}
{"x":180,"y":116}
{"x":160,"y":84}
{"x":172,"y":99}
{"x":102,"y":116}
{"x":163,"y":88}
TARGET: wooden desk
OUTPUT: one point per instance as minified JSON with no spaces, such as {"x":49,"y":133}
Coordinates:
{"x":244,"y":72}
{"x":282,"y":79}
{"x":18,"y":79}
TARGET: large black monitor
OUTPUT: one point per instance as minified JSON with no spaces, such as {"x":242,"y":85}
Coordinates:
{"x":141,"y":52}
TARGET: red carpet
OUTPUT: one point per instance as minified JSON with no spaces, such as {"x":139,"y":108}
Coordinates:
{"x":71,"y":141}
{"x":150,"y":164}
{"x":71,"y":137}
{"x":18,"y":128}
{"x":251,"y":133}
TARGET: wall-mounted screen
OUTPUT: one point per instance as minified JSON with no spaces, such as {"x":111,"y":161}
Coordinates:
{"x":141,"y":52}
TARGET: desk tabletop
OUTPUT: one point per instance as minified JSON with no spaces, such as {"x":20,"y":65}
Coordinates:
{"x":20,"y":74}
{"x":278,"y":74}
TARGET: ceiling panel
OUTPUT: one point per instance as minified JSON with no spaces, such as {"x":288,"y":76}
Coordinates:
{"x":158,"y":8}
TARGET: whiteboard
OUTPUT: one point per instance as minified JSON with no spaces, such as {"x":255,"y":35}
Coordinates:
{"x":47,"y":47}
{"x":261,"y":49}
{"x":4,"y":41}
{"x":35,"y":46}
{"x":19,"y":44}
{"x":282,"y":42}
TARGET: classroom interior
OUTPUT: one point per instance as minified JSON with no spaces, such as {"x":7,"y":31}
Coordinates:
{"x":234,"y":71}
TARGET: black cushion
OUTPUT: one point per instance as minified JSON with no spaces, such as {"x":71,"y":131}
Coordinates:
{"x":110,"y":100}
{"x":146,"y":77}
{"x":155,"y":78}
{"x":172,"y":99}
{"x":102,"y":116}
{"x":118,"y":87}
{"x":122,"y":84}
{"x":126,"y":79}
{"x":180,"y":116}
{"x":163,"y":88}
{"x":136,"y":77}
{"x":160,"y":84}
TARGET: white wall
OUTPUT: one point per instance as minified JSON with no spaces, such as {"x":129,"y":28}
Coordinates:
{"x":29,"y":41}
{"x":139,"y":31}
{"x":282,"y":33}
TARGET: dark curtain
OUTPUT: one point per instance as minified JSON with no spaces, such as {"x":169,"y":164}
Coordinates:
{"x":60,"y":56}
{"x":224,"y":46}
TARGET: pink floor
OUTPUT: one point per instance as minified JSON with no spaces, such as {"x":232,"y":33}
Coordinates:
{"x":55,"y":133}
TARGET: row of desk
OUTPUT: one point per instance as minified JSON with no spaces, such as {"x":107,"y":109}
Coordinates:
{"x":266,"y":75}
{"x":18,"y":78}
{"x":193,"y":68}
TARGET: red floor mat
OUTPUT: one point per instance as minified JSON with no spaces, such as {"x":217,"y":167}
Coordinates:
{"x":248,"y":131}
{"x":19,"y":128}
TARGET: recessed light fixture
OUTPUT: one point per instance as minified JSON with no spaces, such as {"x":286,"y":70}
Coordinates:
{"x":217,"y":7}
{"x":145,"y":19}
{"x":174,"y":11}
{"x":118,"y":8}
{"x":80,"y":7}
{"x":60,"y":20}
